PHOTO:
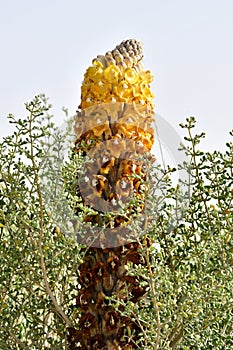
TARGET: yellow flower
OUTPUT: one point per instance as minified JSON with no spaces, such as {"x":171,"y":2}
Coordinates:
{"x":146,"y":92}
{"x":127,"y":125}
{"x":131,"y":76}
{"x":147,"y":140}
{"x":112,"y":73}
{"x":147,"y":77}
{"x":124,"y":91}
{"x":100,"y":90}
{"x":111,"y":98}
{"x":94,"y":73}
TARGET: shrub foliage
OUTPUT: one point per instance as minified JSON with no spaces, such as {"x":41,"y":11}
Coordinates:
{"x":189,"y":267}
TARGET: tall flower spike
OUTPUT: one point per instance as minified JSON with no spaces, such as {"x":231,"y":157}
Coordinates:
{"x":113,"y":126}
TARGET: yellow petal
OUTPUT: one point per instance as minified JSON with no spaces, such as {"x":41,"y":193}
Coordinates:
{"x":131,"y":76}
{"x":94,"y":73}
{"x":112,"y":73}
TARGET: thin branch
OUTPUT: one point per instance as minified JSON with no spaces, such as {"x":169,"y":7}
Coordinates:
{"x":49,"y":291}
{"x":42,"y":260}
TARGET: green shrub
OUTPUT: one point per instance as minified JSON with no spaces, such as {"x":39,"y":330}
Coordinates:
{"x":189,"y":274}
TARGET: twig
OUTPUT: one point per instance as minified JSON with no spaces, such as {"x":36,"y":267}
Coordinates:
{"x":49,"y":291}
{"x":154,"y":299}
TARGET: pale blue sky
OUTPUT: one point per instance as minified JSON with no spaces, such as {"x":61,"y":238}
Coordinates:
{"x":47,"y":45}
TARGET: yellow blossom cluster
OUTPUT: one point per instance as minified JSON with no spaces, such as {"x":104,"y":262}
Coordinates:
{"x":114,"y":84}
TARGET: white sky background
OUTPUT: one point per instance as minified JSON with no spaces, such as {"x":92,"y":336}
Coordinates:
{"x":46,"y":46}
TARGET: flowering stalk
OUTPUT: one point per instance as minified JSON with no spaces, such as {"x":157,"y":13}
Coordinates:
{"x":114,"y":129}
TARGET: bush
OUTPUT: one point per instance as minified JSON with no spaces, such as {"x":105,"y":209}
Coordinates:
{"x":189,"y":266}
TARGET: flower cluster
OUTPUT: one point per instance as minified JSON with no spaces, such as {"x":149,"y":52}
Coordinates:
{"x":118,"y":77}
{"x":111,"y":84}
